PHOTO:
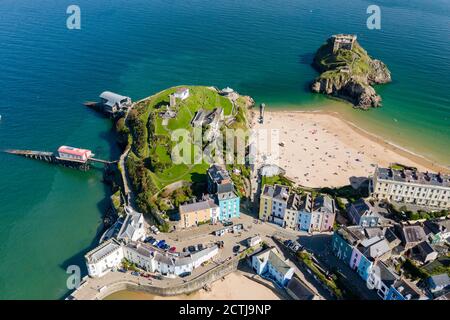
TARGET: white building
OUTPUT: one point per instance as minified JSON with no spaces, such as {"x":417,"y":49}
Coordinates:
{"x":133,"y":227}
{"x":381,"y":279}
{"x":110,"y":254}
{"x":142,"y":254}
{"x":182,"y":93}
{"x":408,"y":186}
{"x":269,"y":264}
{"x":253,"y":241}
{"x":270,"y":170}
{"x":153,"y":260}
{"x":113,"y":102}
{"x":105,"y":257}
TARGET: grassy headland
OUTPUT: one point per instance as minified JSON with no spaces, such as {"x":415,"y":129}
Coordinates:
{"x":149,"y":162}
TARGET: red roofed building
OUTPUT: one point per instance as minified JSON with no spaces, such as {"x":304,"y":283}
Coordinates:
{"x":74,"y":154}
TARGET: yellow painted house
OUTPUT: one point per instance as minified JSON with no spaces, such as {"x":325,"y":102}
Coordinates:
{"x":193,"y":214}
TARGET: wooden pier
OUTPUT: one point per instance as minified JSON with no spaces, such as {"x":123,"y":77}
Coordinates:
{"x":51,"y":157}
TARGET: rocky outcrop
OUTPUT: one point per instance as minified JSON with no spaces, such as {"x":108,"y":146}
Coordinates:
{"x":349,"y":73}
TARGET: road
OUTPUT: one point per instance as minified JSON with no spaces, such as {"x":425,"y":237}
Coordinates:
{"x":203,"y":235}
{"x":320,"y":246}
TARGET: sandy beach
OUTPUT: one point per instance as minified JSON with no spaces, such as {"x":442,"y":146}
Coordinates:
{"x":321,"y":149}
{"x":234,"y":286}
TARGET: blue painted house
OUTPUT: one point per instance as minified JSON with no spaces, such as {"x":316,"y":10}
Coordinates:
{"x":221,"y":185}
{"x":343,"y":241}
{"x":402,"y":290}
{"x":304,"y":220}
{"x":305,"y":215}
{"x":364,"y":267}
{"x":360,"y":248}
{"x":228,"y":202}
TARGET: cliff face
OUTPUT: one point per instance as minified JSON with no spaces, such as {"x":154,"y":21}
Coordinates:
{"x":348,"y":72}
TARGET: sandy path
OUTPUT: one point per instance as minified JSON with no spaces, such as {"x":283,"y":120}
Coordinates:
{"x":321,"y":149}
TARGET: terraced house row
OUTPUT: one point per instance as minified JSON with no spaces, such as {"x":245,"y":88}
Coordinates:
{"x":428,"y":190}
{"x":368,"y":252}
{"x":110,"y":254}
{"x":278,"y":204}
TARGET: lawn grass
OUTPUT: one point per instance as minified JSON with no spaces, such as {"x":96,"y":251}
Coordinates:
{"x":279,"y":179}
{"x":200,"y":98}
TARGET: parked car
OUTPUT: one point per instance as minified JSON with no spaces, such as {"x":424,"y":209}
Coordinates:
{"x":185,"y":249}
{"x":287,"y":242}
{"x":161,"y":244}
{"x":220,"y":244}
{"x":135,"y":273}
{"x":166,"y":246}
{"x":185,"y":274}
{"x":227,"y":223}
{"x":173,"y":249}
{"x":154,"y":229}
{"x":236,"y":248}
{"x":191,"y":248}
{"x":149,"y":239}
{"x":122,"y":270}
{"x":199,"y":247}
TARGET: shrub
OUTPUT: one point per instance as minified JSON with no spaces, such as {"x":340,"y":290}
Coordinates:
{"x":414,"y":271}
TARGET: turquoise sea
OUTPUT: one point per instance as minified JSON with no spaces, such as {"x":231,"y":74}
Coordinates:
{"x":50,"y":216}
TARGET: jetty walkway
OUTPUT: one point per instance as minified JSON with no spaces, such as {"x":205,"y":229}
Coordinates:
{"x":51,"y":157}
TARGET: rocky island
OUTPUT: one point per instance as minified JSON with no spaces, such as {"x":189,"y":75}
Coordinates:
{"x":348,"y":72}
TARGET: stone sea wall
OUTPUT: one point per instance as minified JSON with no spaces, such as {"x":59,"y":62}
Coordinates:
{"x":185,"y":288}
